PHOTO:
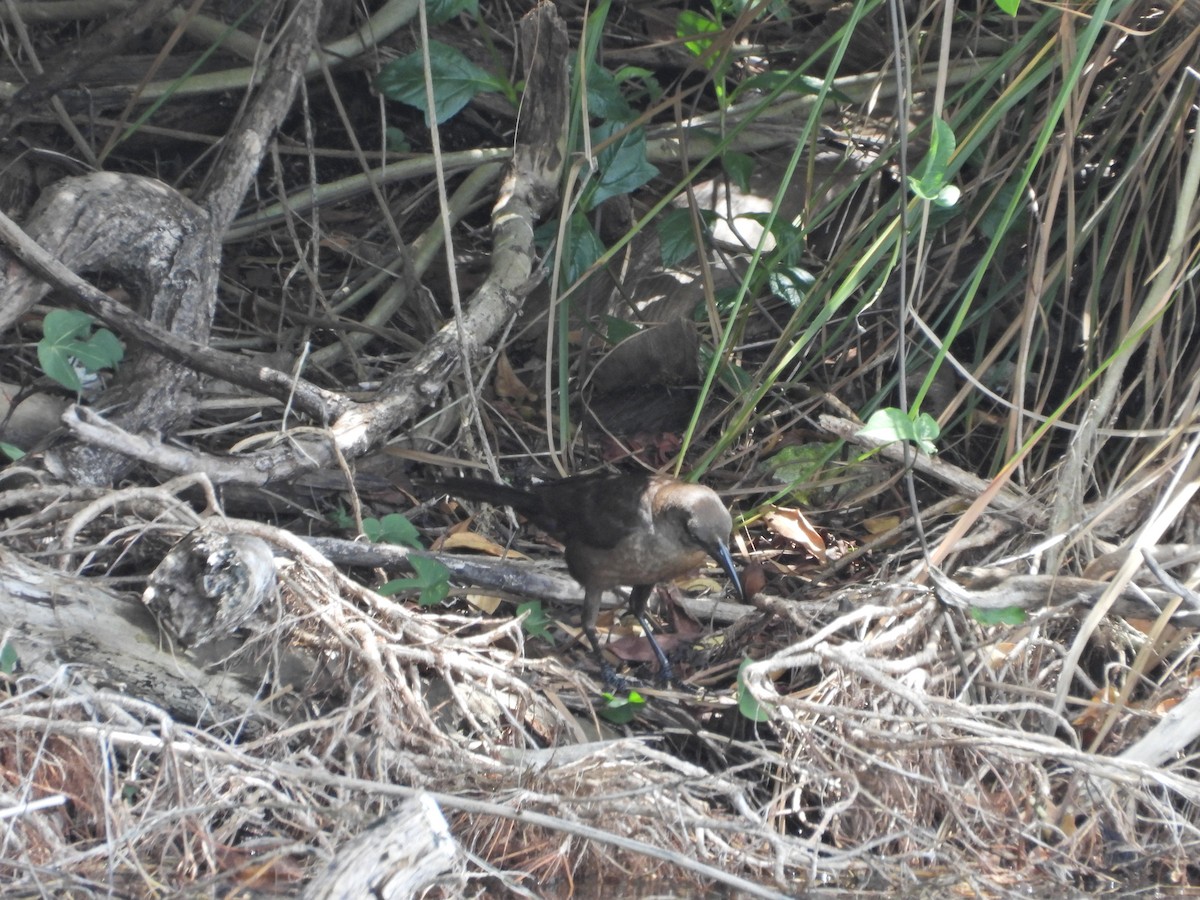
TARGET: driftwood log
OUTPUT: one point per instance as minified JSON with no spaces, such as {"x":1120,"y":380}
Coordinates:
{"x":60,"y":626}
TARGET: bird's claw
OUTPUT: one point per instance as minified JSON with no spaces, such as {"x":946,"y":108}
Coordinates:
{"x":616,"y":683}
{"x":613,"y":681}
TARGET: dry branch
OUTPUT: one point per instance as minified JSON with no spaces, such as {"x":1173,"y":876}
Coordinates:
{"x":527,"y":192}
{"x":65,"y":67}
{"x":62,"y":627}
{"x":396,"y":857}
{"x":166,"y":247}
{"x":877,"y":737}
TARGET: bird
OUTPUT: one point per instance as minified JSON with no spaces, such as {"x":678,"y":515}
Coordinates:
{"x":634,"y":530}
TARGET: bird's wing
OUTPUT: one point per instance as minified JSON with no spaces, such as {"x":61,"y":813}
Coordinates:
{"x":597,"y":510}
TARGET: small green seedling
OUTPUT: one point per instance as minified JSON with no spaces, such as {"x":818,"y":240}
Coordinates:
{"x":68,"y":346}
{"x":747,"y":705}
{"x":537,"y":623}
{"x":1007,"y":615}
{"x":392,"y":529}
{"x":430,"y":577}
{"x":891,"y":424}
{"x":8,"y":659}
{"x":621,"y":710}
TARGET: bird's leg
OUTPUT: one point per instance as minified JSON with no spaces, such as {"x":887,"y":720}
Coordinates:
{"x":591,"y":611}
{"x":637,"y":605}
{"x":611,"y":678}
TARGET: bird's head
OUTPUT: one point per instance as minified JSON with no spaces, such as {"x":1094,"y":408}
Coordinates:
{"x":709,"y":525}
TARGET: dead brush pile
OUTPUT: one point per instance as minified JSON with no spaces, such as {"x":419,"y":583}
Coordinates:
{"x":911,"y":288}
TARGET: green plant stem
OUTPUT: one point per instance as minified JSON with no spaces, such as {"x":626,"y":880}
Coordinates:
{"x":732,"y":433}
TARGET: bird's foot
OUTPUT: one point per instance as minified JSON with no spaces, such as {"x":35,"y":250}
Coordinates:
{"x":684,"y":688}
{"x":614,"y":682}
{"x":666,"y":680}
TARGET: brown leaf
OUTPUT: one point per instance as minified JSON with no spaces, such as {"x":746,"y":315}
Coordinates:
{"x":488,"y":603}
{"x":880,"y":524}
{"x":506,"y":382}
{"x":1093,"y":714}
{"x":1165,"y":706}
{"x":791,"y":524}
{"x":754,"y":579}
{"x":473,"y":540}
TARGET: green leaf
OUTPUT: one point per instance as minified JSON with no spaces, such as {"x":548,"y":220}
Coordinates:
{"x":739,"y":167}
{"x":676,"y":240}
{"x":891,"y":424}
{"x":690,"y":24}
{"x":621,"y":710}
{"x":440,"y":11}
{"x":888,"y":425}
{"x":725,"y":298}
{"x":1009,"y":6}
{"x":931,"y":175}
{"x":8,"y":658}
{"x":926,"y":431}
{"x":618,"y":330}
{"x":1007,"y":615}
{"x":432,"y":579}
{"x":582,"y":249}
{"x":101,"y":351}
{"x":735,"y":379}
{"x":629,"y":73}
{"x":993,"y":216}
{"x":62,"y":325}
{"x":791,"y":284}
{"x":623,"y":164}
{"x":798,"y":465}
{"x":942,"y":146}
{"x":397,"y":140}
{"x":64,"y":349}
{"x":341,"y":518}
{"x":537,"y":623}
{"x":12,"y":451}
{"x":57,"y":365}
{"x":456,"y":80}
{"x":926,"y":188}
{"x":392,"y":529}
{"x":747,"y":705}
{"x":605,"y":100}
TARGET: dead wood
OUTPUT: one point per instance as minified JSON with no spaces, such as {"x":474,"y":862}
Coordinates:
{"x":166,"y":248}
{"x":851,"y":729}
{"x":65,"y":67}
{"x":396,"y":857}
{"x":69,"y":628}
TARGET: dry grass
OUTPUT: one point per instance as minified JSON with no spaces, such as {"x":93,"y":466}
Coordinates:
{"x":904,"y":746}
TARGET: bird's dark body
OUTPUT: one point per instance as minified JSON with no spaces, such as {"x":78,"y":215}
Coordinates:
{"x":635,"y":530}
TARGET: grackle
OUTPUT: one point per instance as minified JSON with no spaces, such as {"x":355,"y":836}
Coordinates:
{"x":635,"y":530}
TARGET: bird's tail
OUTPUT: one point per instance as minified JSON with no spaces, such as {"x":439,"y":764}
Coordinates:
{"x":487,"y":491}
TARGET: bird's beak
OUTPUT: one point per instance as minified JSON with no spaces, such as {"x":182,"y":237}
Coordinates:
{"x":722,"y":556}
